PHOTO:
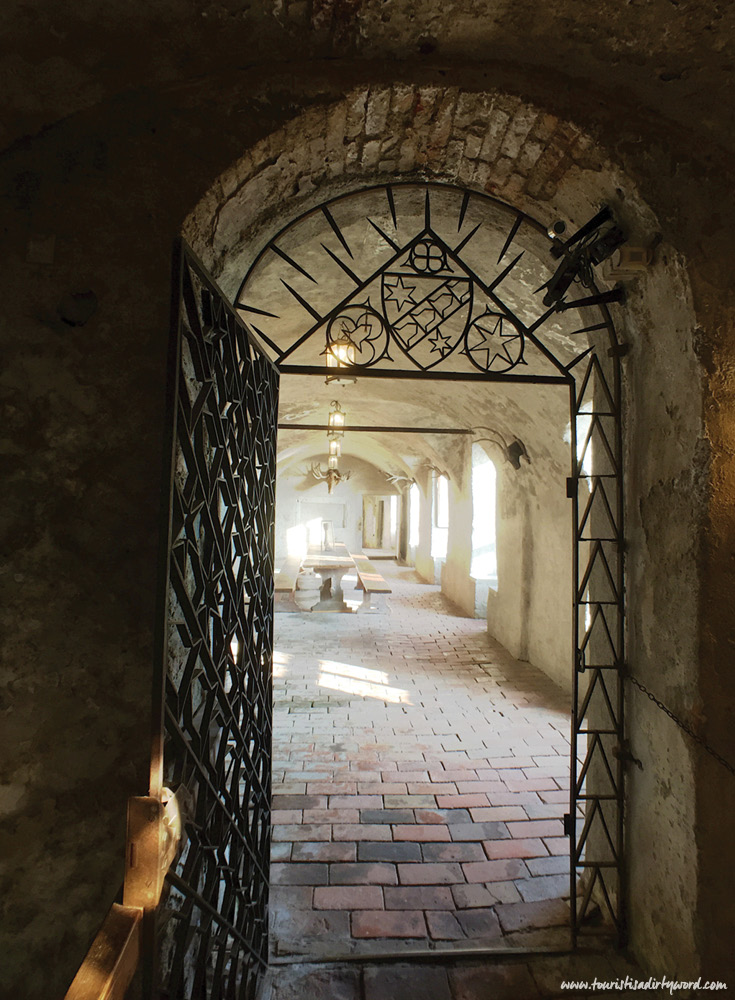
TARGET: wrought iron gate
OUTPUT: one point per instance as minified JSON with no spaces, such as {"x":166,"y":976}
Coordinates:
{"x":410,"y":297}
{"x":596,"y":810}
{"x":216,"y":646}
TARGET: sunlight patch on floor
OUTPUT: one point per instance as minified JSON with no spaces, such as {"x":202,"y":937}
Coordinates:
{"x":280,"y":663}
{"x":360,"y":681}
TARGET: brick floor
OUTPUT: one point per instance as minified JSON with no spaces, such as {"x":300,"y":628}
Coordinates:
{"x":528,"y":977}
{"x":418,"y":778}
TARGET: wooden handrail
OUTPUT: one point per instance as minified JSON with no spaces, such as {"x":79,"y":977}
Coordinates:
{"x":153,"y":837}
{"x":112,"y":959}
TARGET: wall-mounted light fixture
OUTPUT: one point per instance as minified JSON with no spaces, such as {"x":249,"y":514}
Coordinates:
{"x":579,"y":254}
{"x":513,"y":450}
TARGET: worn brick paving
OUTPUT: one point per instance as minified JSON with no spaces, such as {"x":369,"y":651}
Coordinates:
{"x":529,"y":977}
{"x":420,"y":776}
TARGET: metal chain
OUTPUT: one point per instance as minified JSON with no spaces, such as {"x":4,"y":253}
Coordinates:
{"x":682,"y":725}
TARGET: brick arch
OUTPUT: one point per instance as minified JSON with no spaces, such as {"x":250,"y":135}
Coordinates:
{"x":547,"y":167}
{"x":489,"y":141}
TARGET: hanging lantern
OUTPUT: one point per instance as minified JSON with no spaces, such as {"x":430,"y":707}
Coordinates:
{"x":335,"y":431}
{"x":340,"y":353}
{"x":336,"y":422}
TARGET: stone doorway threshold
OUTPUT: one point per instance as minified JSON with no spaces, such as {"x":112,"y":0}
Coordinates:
{"x":498,"y":976}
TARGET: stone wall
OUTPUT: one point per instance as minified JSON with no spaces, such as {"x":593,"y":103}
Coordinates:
{"x":492,"y":142}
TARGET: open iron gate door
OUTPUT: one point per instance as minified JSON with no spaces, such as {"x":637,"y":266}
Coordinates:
{"x":465,"y":327}
{"x":215,"y":685}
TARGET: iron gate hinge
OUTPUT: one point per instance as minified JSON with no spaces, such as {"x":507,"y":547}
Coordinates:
{"x":571,"y":487}
{"x":568,"y":825}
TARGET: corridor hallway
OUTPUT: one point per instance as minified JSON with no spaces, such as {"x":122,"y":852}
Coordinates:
{"x":420,"y":775}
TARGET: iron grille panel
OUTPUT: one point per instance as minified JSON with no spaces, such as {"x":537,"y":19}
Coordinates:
{"x":408,"y":297}
{"x":218,"y":646}
{"x":596,"y":796}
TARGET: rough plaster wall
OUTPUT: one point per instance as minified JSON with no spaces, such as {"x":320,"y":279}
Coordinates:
{"x":423,"y":560}
{"x":113,"y":186}
{"x":81,"y":450}
{"x":715,"y":787}
{"x":505,"y":605}
{"x":665,"y":487}
{"x":640,"y":58}
{"x":549,"y":626}
{"x":530,"y":613}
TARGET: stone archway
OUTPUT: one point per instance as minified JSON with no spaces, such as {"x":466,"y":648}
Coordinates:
{"x":498,"y":143}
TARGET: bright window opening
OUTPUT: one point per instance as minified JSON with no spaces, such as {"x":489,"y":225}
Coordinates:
{"x":584,"y":440}
{"x":414,"y":501}
{"x":440,"y":528}
{"x":393,"y":518}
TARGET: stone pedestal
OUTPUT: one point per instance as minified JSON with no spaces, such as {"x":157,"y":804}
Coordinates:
{"x":308,"y":590}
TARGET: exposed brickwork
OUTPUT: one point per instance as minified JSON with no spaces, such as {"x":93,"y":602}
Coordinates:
{"x":492,"y":142}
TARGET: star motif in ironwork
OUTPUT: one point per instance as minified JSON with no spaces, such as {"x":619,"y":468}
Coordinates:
{"x":485,"y":329}
{"x":499,"y":350}
{"x":400,"y":293}
{"x":442,"y":343}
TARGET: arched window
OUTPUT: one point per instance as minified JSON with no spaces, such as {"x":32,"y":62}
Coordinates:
{"x":484,"y":564}
{"x":414,"y":501}
{"x":440,"y":518}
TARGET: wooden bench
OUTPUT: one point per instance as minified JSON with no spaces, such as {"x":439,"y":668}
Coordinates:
{"x":371,"y":583}
{"x":285,"y":583}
